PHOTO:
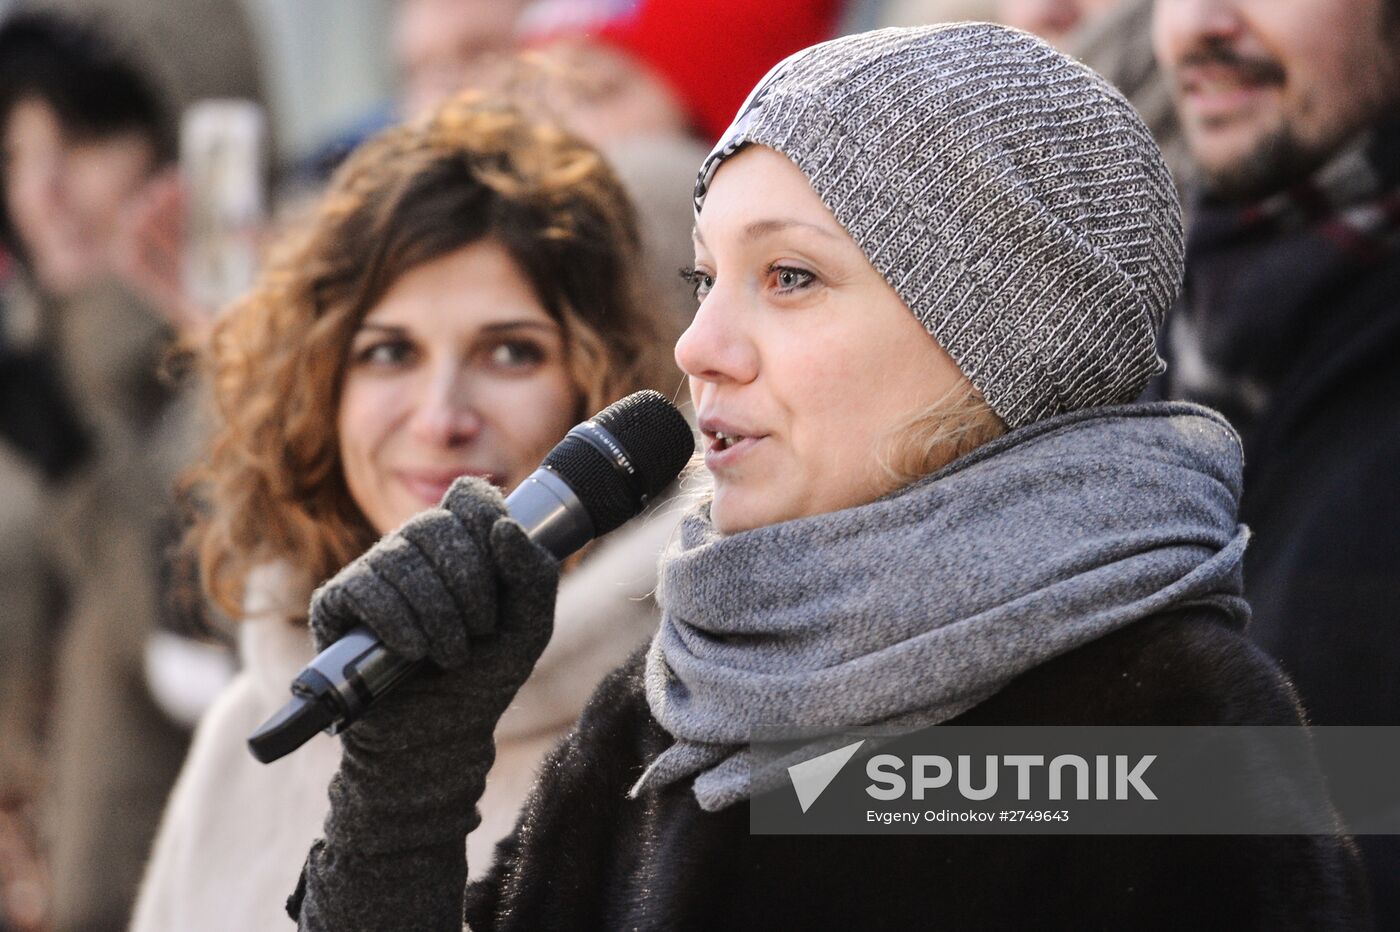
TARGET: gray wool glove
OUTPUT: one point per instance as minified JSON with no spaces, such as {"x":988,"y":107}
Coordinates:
{"x":462,"y":586}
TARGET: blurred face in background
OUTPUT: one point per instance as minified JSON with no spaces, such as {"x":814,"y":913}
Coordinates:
{"x":443,"y":46}
{"x":458,"y":370}
{"x":604,"y":95}
{"x":1266,"y":90}
{"x":598,"y":92}
{"x":1052,"y":20}
{"x":803,"y":361}
{"x":66,"y":196}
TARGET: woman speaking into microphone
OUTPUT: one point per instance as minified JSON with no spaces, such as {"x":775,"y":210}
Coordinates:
{"x":931,"y":266}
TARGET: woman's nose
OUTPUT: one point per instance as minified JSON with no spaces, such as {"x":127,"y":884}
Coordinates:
{"x":445,"y":413}
{"x":717,"y":347}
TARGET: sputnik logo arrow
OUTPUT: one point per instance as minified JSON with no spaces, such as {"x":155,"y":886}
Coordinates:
{"x":811,"y":778}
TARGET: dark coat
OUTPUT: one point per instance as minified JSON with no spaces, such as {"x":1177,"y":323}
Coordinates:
{"x":585,"y":856}
{"x":1298,"y":328}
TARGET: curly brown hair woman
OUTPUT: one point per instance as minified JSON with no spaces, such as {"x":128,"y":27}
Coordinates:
{"x":460,"y":296}
{"x":472,"y":172}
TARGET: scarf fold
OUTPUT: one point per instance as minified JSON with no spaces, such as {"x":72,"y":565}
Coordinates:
{"x":912,"y":609}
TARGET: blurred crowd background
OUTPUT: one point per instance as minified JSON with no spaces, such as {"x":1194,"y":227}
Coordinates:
{"x":149,"y":148}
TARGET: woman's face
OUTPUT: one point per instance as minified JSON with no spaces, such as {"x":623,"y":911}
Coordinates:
{"x":802,"y":359}
{"x":458,"y":370}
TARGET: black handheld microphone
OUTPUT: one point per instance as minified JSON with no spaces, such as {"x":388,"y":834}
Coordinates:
{"x":598,"y":477}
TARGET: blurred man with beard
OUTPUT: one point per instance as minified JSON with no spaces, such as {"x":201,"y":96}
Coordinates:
{"x":1290,"y":324}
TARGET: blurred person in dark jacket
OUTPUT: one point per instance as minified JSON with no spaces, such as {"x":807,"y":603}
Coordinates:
{"x":81,"y":131}
{"x":1289,"y":324}
{"x":87,"y":126}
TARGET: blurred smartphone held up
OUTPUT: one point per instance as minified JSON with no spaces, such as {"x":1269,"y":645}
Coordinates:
{"x":222,"y":159}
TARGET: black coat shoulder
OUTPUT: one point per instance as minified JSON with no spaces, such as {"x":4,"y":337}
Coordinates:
{"x":586,"y":855}
{"x":1187,"y":667}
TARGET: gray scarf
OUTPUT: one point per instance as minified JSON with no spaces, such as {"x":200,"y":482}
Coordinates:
{"x":918,"y":606}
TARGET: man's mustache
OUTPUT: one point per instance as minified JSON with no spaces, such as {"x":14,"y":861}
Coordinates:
{"x":1219,"y":53}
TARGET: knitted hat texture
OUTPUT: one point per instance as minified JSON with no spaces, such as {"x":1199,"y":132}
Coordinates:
{"x":1012,"y":198}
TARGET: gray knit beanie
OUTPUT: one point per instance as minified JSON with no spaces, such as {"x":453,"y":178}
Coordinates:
{"x":1012,"y":198}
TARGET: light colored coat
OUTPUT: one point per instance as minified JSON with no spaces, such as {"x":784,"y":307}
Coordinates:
{"x":235,"y":832}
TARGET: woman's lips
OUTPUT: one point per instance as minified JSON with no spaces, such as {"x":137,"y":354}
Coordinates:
{"x":430,"y":487}
{"x":726,"y":442}
{"x":723,"y":454}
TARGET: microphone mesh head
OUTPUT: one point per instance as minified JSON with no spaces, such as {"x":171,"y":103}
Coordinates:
{"x":654,"y":434}
{"x":655,"y":437}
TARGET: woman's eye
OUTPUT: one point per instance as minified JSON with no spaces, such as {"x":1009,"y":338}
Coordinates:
{"x":789,"y":279}
{"x":516,"y":354}
{"x":700,"y":282}
{"x":387,"y":353}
